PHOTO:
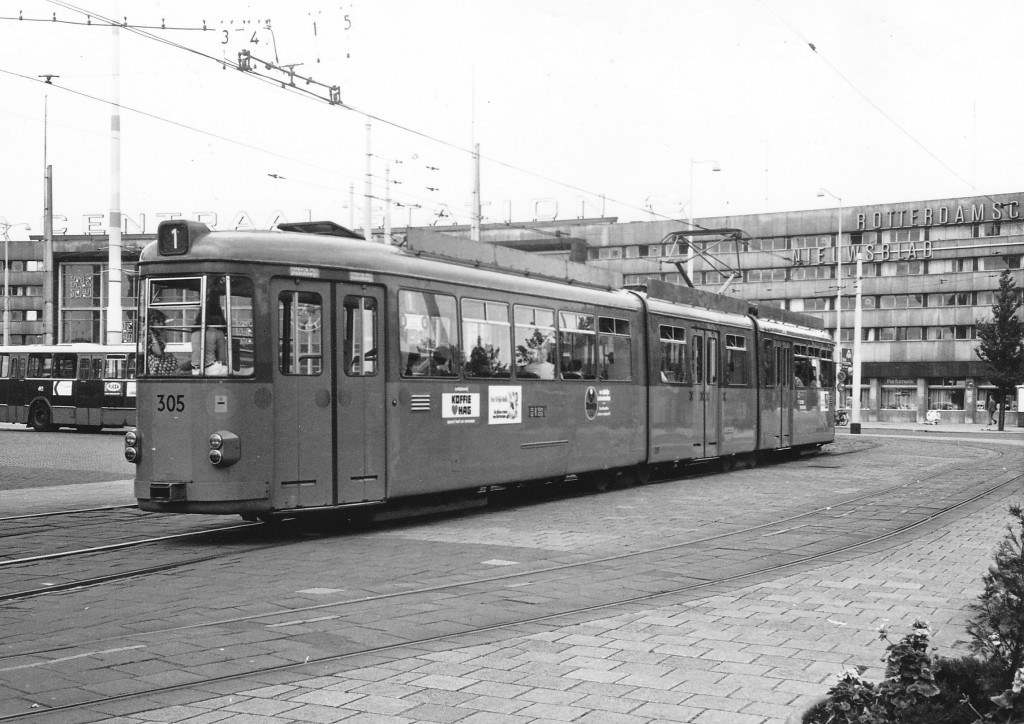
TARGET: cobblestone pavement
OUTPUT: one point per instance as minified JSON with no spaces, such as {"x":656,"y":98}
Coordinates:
{"x":742,"y":654}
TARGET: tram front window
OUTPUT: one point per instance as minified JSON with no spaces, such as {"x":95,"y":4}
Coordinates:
{"x":198,"y":326}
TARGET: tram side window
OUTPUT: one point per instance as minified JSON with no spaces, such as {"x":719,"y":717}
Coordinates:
{"x":577,"y":342}
{"x":428,"y":334}
{"x":234,"y":293}
{"x":5,"y":365}
{"x":615,"y":349}
{"x":535,"y":343}
{"x":300,"y":325}
{"x":698,"y":359}
{"x":735,"y":360}
{"x":360,"y":343}
{"x":673,"y":354}
{"x":487,"y":333}
{"x":768,"y":363}
{"x":84,"y":368}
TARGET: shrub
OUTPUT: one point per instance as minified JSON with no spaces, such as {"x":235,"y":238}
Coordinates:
{"x":922,"y":688}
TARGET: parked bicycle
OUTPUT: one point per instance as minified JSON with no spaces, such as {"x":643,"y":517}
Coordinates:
{"x":842,"y":418}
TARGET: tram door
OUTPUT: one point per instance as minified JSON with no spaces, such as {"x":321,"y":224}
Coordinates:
{"x":361,"y":404}
{"x":787,"y":392}
{"x":302,"y":409}
{"x":707,"y":402}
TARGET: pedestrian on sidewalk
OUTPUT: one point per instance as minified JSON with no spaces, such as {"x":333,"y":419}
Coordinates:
{"x":991,"y":407}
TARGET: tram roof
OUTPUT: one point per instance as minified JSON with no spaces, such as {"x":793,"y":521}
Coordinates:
{"x":308,"y":252}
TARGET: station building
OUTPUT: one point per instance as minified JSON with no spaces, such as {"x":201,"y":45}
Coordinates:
{"x":930,"y":271}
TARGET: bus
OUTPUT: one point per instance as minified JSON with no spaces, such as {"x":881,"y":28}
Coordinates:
{"x":84,"y":386}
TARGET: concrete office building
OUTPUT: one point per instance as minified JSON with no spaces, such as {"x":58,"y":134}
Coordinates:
{"x":930,"y":272}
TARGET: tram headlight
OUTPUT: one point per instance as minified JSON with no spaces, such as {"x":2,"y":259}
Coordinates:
{"x":131,"y":446}
{"x":225,"y":449}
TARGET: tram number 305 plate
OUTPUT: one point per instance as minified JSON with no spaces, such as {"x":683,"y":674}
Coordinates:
{"x":170,"y":403}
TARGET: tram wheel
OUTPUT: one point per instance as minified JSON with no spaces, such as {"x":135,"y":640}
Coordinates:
{"x":600,"y":481}
{"x":39,"y":418}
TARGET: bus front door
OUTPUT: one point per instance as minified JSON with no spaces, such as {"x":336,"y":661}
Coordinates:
{"x":361,"y":405}
{"x":303,"y":396}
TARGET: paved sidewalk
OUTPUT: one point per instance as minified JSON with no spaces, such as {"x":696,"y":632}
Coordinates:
{"x":750,"y":655}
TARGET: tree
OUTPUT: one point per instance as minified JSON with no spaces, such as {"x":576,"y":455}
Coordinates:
{"x":1001,"y":342}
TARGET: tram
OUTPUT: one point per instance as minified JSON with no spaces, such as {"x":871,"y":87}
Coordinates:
{"x":309,"y":369}
{"x":81,"y":385}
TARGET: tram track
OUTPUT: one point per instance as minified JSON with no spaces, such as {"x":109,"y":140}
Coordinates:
{"x":836,"y":510}
{"x":87,"y":582}
{"x":727,"y":577}
{"x":77,"y":511}
{"x":164,"y":567}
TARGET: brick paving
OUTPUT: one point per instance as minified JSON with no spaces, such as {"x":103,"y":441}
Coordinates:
{"x":743,"y":655}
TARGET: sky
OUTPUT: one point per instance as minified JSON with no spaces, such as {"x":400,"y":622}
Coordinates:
{"x":581,"y":108}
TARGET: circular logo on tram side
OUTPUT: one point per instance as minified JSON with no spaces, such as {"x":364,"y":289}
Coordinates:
{"x":590,"y":403}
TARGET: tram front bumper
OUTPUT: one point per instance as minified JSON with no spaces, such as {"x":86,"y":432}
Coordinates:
{"x":167,"y":492}
{"x":181,"y":491}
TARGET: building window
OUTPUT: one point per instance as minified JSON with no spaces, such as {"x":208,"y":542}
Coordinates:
{"x":945,"y":394}
{"x":811,"y":272}
{"x":898,"y":398}
{"x":83,"y":302}
{"x":810,"y":304}
{"x":810,"y":242}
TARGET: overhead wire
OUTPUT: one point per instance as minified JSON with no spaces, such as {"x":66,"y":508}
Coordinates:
{"x":380,"y":119}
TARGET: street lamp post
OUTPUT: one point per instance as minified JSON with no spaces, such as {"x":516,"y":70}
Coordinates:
{"x":858,"y":318}
{"x":838,"y":351}
{"x":693,"y":215}
{"x":7,"y":271}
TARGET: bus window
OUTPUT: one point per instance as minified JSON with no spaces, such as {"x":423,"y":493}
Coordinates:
{"x":64,"y":366}
{"x":39,"y":365}
{"x":577,"y":340}
{"x":116,"y":367}
{"x":300,"y":321}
